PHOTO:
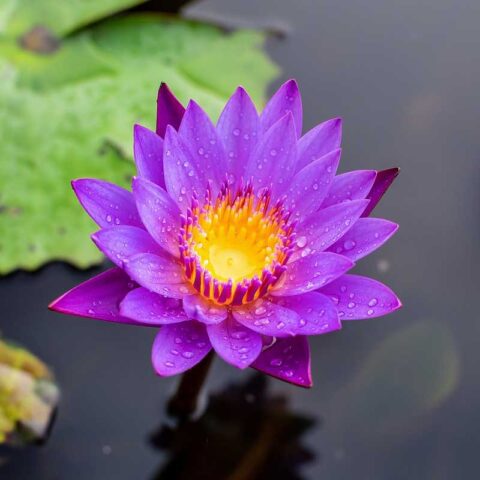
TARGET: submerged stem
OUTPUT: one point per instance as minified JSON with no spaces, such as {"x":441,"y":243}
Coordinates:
{"x":184,"y":401}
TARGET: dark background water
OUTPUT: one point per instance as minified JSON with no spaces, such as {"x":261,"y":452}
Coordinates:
{"x":394,"y":398}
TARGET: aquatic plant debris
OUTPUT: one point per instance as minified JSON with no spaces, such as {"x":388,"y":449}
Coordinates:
{"x":67,"y":104}
{"x":28,"y":396}
{"x":235,"y":237}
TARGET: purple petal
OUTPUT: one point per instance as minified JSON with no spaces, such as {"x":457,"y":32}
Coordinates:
{"x":288,"y":359}
{"x":319,"y":141}
{"x":206,"y":148}
{"x":350,"y":186}
{"x":359,"y":297}
{"x":152,"y":309}
{"x":239,"y":128}
{"x":268,"y":318}
{"x":154,"y":271}
{"x":182,"y":177}
{"x":327,"y":226}
{"x":286,"y":99}
{"x":364,"y":237}
{"x":148,"y":154}
{"x":382,"y":183}
{"x":311,"y":184}
{"x":310,"y":273}
{"x":273,"y":161}
{"x":169,"y":110}
{"x":120,"y":243}
{"x":106,"y":203}
{"x":159,"y":213}
{"x":175,"y":290}
{"x":97,"y":298}
{"x":316,"y":312}
{"x":199,"y":308}
{"x":235,"y":343}
{"x":179,"y":347}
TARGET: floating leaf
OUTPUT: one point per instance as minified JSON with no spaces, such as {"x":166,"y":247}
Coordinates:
{"x":70,"y":114}
{"x":59,"y":17}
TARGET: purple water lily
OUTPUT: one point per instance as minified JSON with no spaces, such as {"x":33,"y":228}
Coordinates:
{"x":236,"y":237}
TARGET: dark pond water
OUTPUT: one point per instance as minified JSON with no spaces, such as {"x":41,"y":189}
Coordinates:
{"x":394,"y":398}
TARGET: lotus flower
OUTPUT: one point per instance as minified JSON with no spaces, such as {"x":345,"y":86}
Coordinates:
{"x":236,"y":237}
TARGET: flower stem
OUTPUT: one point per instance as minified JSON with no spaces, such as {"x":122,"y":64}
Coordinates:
{"x":184,"y":401}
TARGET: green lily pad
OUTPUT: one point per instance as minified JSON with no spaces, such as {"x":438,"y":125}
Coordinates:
{"x":70,"y":114}
{"x":60,"y":17}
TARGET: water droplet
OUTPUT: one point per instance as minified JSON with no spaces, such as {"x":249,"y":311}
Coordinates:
{"x":349,"y":244}
{"x":289,"y":373}
{"x":301,"y":242}
{"x":372,"y":302}
{"x":109,"y":218}
{"x":190,"y":173}
{"x":187,"y":354}
{"x":351,"y":305}
{"x":169,"y":364}
{"x":236,"y":132}
{"x":273,"y":152}
{"x":280,"y":325}
{"x":260,"y":310}
{"x":276,"y":362}
{"x":370,"y":312}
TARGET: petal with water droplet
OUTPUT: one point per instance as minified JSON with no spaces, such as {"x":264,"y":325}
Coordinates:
{"x":288,"y":359}
{"x":159,"y":213}
{"x":317,"y":313}
{"x":353,"y":185}
{"x":364,"y":237}
{"x":97,"y":298}
{"x":154,"y":272}
{"x":310,"y":273}
{"x":148,"y":154}
{"x":201,"y":309}
{"x":182,"y":177}
{"x":206,"y":148}
{"x":319,"y":141}
{"x":179,"y":347}
{"x":272,"y":163}
{"x":360,"y":297}
{"x":325,"y":227}
{"x":239,"y":129}
{"x":310,"y":185}
{"x":286,"y":99}
{"x":122,"y":242}
{"x":106,"y":203}
{"x":150,"y":308}
{"x":235,"y":343}
{"x":268,"y":318}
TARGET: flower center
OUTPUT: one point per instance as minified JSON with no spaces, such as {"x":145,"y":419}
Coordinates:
{"x":235,"y":248}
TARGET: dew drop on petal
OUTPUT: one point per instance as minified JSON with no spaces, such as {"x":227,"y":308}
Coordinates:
{"x":301,"y":242}
{"x":276,"y":362}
